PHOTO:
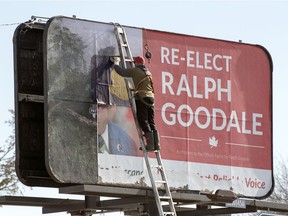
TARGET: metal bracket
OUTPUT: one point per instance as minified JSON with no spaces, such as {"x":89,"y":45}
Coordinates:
{"x":31,"y":98}
{"x":222,"y":196}
{"x":38,"y":19}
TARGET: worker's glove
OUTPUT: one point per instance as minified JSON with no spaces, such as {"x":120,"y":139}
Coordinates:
{"x":115,"y":60}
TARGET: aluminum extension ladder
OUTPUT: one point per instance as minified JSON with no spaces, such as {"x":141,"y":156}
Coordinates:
{"x":161,"y":200}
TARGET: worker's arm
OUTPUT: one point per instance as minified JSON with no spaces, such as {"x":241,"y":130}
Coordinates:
{"x":121,"y":71}
{"x":118,"y":69}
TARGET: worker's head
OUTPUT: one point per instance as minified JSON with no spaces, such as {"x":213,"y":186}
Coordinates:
{"x":139,"y":60}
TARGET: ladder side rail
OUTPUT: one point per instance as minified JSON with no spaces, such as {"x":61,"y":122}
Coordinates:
{"x":129,"y":82}
{"x":128,"y":51}
{"x":166,"y":185}
{"x":141,"y":139}
{"x":125,"y":52}
{"x":126,"y":45}
{"x":121,"y":51}
{"x":123,"y":44}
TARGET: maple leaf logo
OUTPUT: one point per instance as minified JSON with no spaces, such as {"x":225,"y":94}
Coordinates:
{"x":213,"y":142}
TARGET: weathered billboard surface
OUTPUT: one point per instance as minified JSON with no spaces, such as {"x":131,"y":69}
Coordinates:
{"x":213,"y":110}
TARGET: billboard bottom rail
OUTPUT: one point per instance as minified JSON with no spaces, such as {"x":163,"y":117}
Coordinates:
{"x":133,"y":201}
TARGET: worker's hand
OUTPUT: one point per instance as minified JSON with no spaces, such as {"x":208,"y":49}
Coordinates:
{"x":115,"y":60}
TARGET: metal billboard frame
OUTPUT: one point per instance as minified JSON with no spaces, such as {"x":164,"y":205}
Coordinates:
{"x":36,"y":180}
{"x":134,"y":201}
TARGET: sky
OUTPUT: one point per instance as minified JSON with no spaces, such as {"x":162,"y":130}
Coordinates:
{"x":253,"y":22}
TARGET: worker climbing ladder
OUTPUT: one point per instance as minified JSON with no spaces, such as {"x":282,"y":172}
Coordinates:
{"x":161,"y":200}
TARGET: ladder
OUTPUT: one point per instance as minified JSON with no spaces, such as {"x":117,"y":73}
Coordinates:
{"x":161,"y":200}
{"x":125,"y":52}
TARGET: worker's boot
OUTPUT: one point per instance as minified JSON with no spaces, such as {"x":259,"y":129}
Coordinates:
{"x":156,"y":140}
{"x":149,"y":141}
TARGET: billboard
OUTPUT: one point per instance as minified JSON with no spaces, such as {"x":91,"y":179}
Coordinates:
{"x":213,"y":109}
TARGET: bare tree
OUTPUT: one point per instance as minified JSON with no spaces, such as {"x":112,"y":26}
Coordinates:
{"x":8,"y":177}
{"x":280,"y":193}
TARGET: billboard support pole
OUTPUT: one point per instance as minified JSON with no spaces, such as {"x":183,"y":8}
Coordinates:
{"x":90,"y":207}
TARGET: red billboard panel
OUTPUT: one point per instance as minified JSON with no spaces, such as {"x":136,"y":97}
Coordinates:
{"x":213,"y":103}
{"x":213,"y":100}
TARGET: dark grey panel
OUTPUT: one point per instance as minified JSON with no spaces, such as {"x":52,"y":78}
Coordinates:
{"x":28,"y":63}
{"x":78,"y":75}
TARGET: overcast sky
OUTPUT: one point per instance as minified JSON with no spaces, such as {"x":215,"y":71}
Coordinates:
{"x":253,"y":22}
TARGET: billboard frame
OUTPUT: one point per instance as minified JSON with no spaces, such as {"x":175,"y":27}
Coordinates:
{"x":45,"y":96}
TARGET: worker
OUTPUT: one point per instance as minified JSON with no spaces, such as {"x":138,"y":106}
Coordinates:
{"x":144,"y":98}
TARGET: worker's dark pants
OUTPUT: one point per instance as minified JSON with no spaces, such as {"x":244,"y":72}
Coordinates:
{"x":145,"y":114}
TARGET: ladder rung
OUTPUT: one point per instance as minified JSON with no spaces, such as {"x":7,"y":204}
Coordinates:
{"x":157,"y":166}
{"x":120,"y":30}
{"x":164,"y":197}
{"x":169,"y":213}
{"x":160,"y":181}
